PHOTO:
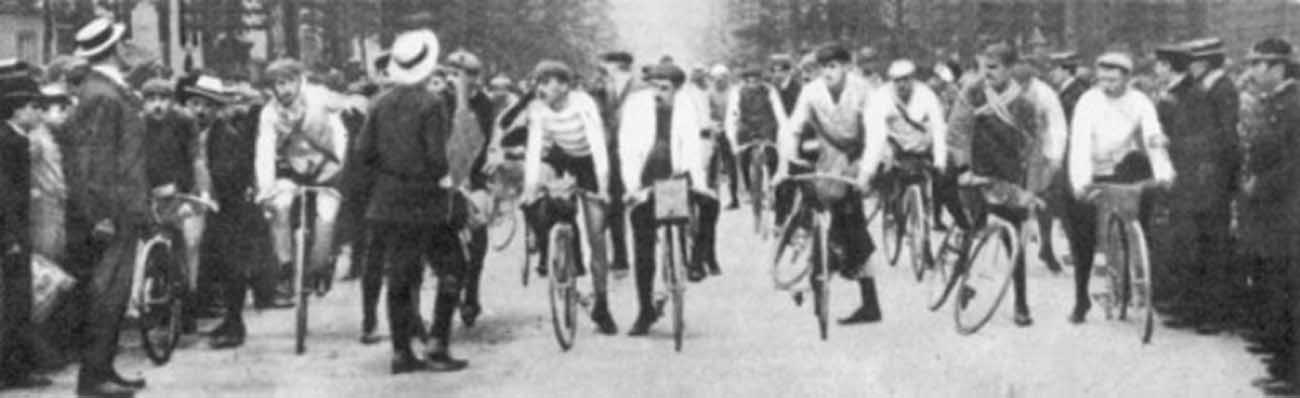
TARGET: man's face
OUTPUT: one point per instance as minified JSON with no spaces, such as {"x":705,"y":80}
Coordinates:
{"x":464,"y":78}
{"x":30,"y":115}
{"x":156,"y":105}
{"x":1112,"y":80}
{"x":287,"y":89}
{"x":994,"y":71}
{"x":202,"y":108}
{"x":1163,"y":69}
{"x":498,"y":91}
{"x":833,"y":73}
{"x":552,"y":89}
{"x":55,"y":114}
{"x":780,"y":73}
{"x":1059,"y":74}
{"x":903,"y":86}
{"x":1263,"y":73}
{"x":665,"y":91}
{"x":1198,"y":67}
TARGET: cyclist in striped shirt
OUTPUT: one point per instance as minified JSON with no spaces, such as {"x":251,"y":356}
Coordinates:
{"x":566,"y":137}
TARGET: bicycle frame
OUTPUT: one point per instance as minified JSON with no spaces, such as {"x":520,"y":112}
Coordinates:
{"x":674,"y":245}
{"x":162,"y":236}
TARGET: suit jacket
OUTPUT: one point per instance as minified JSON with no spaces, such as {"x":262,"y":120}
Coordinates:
{"x":171,"y":151}
{"x":400,"y":158}
{"x":1203,"y":142}
{"x":15,"y":187}
{"x":1270,"y":212}
{"x":104,"y":156}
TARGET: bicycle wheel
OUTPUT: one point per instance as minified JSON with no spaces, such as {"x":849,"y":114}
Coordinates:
{"x":795,"y":248}
{"x":510,"y":223}
{"x":1131,"y":283}
{"x":893,"y":227}
{"x":985,"y":277}
{"x":941,"y":275}
{"x":821,"y":277}
{"x":563,"y":298}
{"x":757,"y":187}
{"x":917,"y":231}
{"x":300,"y":288}
{"x":528,"y":253}
{"x":675,"y":259}
{"x":160,"y":320}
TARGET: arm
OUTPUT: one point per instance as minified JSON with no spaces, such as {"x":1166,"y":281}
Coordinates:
{"x":1154,"y":142}
{"x":732,"y":117}
{"x":876,"y":136}
{"x":595,"y":128}
{"x":1057,"y":129}
{"x":786,"y":140}
{"x":1080,"y":157}
{"x":264,"y":154}
{"x":533,"y":154}
{"x":938,"y":130}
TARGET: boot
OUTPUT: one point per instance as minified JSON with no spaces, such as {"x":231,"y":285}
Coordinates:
{"x":870,"y":309}
{"x":600,"y":316}
{"x":643,"y":322}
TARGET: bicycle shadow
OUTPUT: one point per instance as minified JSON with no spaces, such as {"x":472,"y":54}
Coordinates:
{"x":497,"y":329}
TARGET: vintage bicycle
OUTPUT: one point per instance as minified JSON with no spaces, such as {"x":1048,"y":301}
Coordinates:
{"x":160,"y":281}
{"x":1126,"y":272}
{"x":675,"y":225}
{"x":565,"y":198}
{"x":303,"y":219}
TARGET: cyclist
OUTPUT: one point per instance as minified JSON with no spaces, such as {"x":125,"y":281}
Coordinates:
{"x":301,"y":141}
{"x":659,"y":137}
{"x":718,"y":91}
{"x":1116,"y":137}
{"x":1011,"y":128}
{"x":566,"y":137}
{"x":910,"y":112}
{"x":833,"y":104}
{"x":754,"y":113}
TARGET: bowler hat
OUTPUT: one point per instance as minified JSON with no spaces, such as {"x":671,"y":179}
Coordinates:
{"x":1270,"y":49}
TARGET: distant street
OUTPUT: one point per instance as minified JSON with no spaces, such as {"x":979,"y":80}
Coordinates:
{"x":744,"y":340}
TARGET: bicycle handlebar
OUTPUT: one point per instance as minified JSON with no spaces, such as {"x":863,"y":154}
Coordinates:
{"x":763,"y":143}
{"x":813,"y":177}
{"x":297,"y":191}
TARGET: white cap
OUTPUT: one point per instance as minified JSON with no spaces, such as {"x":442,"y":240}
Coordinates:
{"x":1116,"y":60}
{"x":719,"y":70}
{"x":901,"y":68}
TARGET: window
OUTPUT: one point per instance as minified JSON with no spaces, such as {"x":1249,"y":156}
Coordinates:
{"x":29,"y":48}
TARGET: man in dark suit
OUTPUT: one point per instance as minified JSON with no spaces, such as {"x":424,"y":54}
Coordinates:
{"x":618,"y":83}
{"x":410,"y":207}
{"x":107,"y":201}
{"x":20,"y":110}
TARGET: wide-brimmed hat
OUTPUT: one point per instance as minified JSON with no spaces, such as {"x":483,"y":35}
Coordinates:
{"x":1270,"y":49}
{"x":204,"y":86}
{"x":16,"y":82}
{"x":668,"y":72}
{"x":621,"y":57}
{"x":413,"y":57}
{"x":158,"y":86}
{"x":1204,"y":48}
{"x":98,"y":36}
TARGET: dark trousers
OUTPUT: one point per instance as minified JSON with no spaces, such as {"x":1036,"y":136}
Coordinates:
{"x":110,"y":288}
{"x":236,"y":253}
{"x":723,"y":160}
{"x":745,"y":161}
{"x":644,"y":235}
{"x":17,"y":356}
{"x":617,"y":222}
{"x":478,"y":246}
{"x":1082,"y":218}
{"x":405,"y":246}
{"x":368,"y":255}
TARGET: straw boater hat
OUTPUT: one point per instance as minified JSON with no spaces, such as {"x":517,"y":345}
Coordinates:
{"x":1271,"y":49}
{"x":414,"y":57}
{"x":1116,"y":60}
{"x":204,"y":86}
{"x":1204,"y":48}
{"x":17,"y":84}
{"x":98,"y":36}
{"x":1064,"y":59}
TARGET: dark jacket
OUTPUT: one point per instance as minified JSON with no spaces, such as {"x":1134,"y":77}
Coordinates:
{"x":1070,"y":95}
{"x":15,"y":187}
{"x":789,"y":94}
{"x":400,"y":158}
{"x":104,"y":155}
{"x":230,"y":147}
{"x":1203,"y":143}
{"x":1270,"y":210}
{"x":484,"y":113}
{"x":171,"y":150}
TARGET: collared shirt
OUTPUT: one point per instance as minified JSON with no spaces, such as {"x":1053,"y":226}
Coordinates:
{"x":885,"y":112}
{"x":1105,"y":129}
{"x":114,"y":73}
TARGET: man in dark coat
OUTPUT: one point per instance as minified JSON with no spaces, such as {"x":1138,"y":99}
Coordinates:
{"x":618,"y":83}
{"x":107,"y":199}
{"x":1205,"y":154}
{"x":20,"y":103}
{"x":409,"y":205}
{"x":1269,"y":207}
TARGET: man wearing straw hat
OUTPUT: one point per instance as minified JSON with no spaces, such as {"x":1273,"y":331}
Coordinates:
{"x":108,"y":191}
{"x":409,"y":205}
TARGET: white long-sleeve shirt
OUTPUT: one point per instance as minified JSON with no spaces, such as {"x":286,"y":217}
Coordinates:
{"x":321,"y":109}
{"x":848,"y":113}
{"x":924,"y":108}
{"x":1105,"y":129}
{"x":577,"y":130}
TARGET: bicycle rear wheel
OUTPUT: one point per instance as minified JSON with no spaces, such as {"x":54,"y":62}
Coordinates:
{"x":1131,"y":282}
{"x":986,"y":277}
{"x":677,"y":290}
{"x":563,"y":298}
{"x":301,"y":290}
{"x":160,"y":320}
{"x":942,"y":273}
{"x":757,"y":190}
{"x":917,"y":230}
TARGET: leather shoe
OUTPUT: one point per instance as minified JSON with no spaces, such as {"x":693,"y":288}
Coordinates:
{"x":862,"y":315}
{"x":226,"y":340}
{"x":1023,"y":319}
{"x":1080,"y":314}
{"x":604,"y":321}
{"x":137,"y":384}
{"x":408,"y":363}
{"x":642,"y":325}
{"x":105,"y":389}
{"x":443,"y":362}
{"x":469,"y":313}
{"x":26,"y":382}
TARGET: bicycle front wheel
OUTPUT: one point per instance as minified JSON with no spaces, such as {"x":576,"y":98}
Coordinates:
{"x":795,"y":252}
{"x":917,"y":230}
{"x":563,"y":298}
{"x":1132,"y":283}
{"x":893,"y":225}
{"x":301,"y":290}
{"x":821,"y":278}
{"x":941,"y":276}
{"x":986,"y":275}
{"x":160,"y":318}
{"x":677,"y":290}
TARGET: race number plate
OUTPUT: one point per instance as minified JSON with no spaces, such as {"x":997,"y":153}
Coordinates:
{"x":671,"y":200}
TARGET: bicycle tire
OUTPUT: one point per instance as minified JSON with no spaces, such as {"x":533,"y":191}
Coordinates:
{"x":160,"y":322}
{"x":917,"y":231}
{"x":560,"y":292}
{"x":675,"y":259}
{"x":821,"y":278}
{"x":528,"y":254}
{"x":893,"y":228}
{"x":1131,"y":290}
{"x":300,"y":289}
{"x":757,"y":190}
{"x":512,"y":220}
{"x":941,"y":276}
{"x":995,"y":279}
{"x":792,"y":240}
